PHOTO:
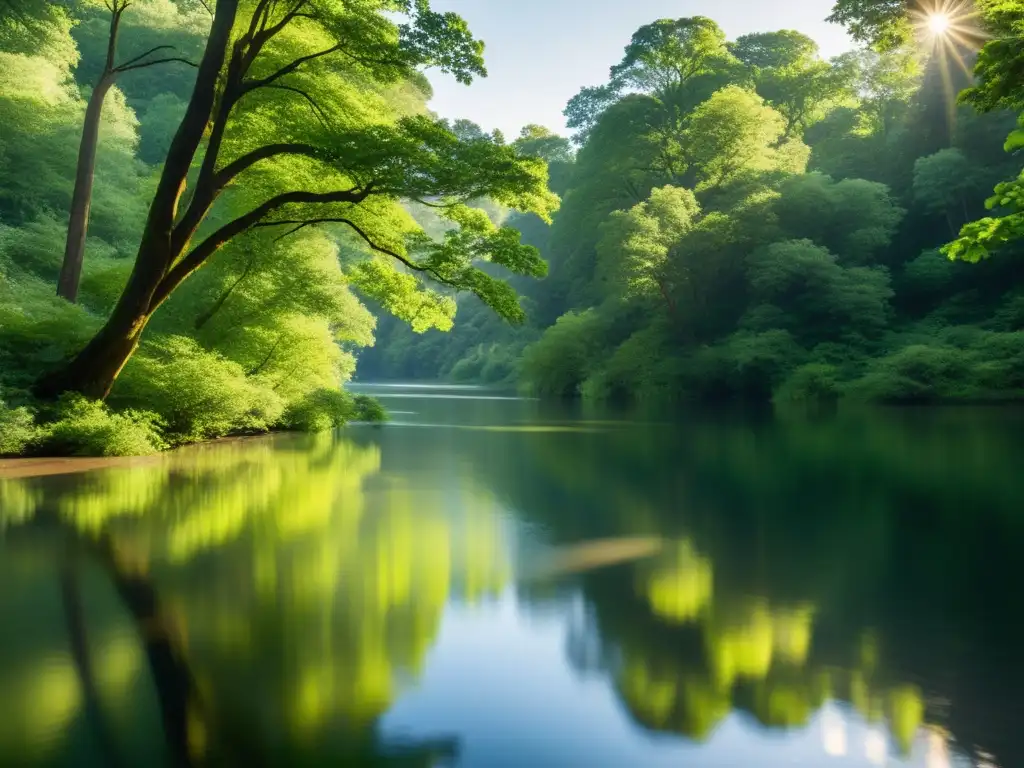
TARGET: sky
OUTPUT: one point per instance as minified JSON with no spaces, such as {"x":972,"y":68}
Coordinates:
{"x":539,"y":53}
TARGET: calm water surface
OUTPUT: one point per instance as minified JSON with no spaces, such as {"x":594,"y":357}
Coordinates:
{"x":490,"y":582}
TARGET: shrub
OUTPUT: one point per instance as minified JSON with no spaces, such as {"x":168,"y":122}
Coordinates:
{"x":470,"y":367}
{"x":1002,"y":366}
{"x":38,"y":330}
{"x":17,"y":430}
{"x":559,"y":362}
{"x":640,"y":368}
{"x":814,"y":383}
{"x":198,"y":393}
{"x":320,"y":410}
{"x":325,"y":409}
{"x":88,"y":428}
{"x":916,"y":374}
{"x":369,"y":409}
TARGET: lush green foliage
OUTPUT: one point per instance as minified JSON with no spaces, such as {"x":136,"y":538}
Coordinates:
{"x":743,"y":220}
{"x":264,"y":335}
{"x":997,"y":27}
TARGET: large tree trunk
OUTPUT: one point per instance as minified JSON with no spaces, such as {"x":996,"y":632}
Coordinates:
{"x":81,"y":200}
{"x":93,"y":370}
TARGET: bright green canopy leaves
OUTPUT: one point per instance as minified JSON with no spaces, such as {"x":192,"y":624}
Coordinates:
{"x":885,"y":23}
{"x":789,"y":75}
{"x":635,"y":244}
{"x":679,"y":62}
{"x":978,"y":238}
{"x":733,"y":132}
{"x":664,"y":55}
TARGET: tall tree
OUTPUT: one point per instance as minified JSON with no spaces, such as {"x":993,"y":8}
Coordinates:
{"x":269,"y":119}
{"x":789,"y":74}
{"x":669,"y":59}
{"x":81,"y":199}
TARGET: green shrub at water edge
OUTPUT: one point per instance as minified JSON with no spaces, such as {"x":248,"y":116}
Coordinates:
{"x":88,"y":428}
{"x":198,"y":393}
{"x":810,"y":383}
{"x":368,"y":409}
{"x":17,"y":430}
{"x":319,"y":411}
{"x":325,"y":409}
{"x":562,"y":359}
{"x":918,"y":373}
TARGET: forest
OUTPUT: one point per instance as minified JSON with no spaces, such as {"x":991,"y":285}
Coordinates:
{"x":745,"y":221}
{"x":210,"y":212}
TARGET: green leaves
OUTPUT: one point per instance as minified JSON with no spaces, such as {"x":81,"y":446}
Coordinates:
{"x":732,"y":131}
{"x":666,"y":53}
{"x":402,"y":295}
{"x":1015,"y":140}
{"x":634,"y":249}
{"x":789,"y":75}
{"x":441,"y":40}
{"x":884,"y":23}
{"x":453,"y":259}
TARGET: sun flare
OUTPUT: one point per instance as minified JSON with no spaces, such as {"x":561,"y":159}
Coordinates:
{"x":938,"y":23}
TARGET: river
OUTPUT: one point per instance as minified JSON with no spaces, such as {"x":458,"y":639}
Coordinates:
{"x":492,"y":582}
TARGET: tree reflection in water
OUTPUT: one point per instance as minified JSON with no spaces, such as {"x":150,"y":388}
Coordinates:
{"x":289,"y":612}
{"x":297,"y":584}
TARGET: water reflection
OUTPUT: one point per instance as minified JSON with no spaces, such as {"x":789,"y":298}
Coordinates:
{"x":532,"y":587}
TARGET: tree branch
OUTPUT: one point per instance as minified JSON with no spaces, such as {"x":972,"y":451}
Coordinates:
{"x":259,"y":34}
{"x":252,"y":85}
{"x":439,"y":206}
{"x":317,"y":109}
{"x":124,"y":68}
{"x":259,"y":16}
{"x":266,"y":359}
{"x":243,"y":163}
{"x":144,"y":55}
{"x":198,"y":256}
{"x":300,"y":223}
{"x":365,"y":61}
{"x":206,"y":316}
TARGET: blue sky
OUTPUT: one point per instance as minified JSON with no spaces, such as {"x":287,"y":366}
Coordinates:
{"x":541,"y":52}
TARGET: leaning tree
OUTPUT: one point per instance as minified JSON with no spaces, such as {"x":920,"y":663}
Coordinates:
{"x":273,"y":121}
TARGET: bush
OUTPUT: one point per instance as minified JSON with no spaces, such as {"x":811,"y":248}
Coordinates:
{"x":17,"y":430}
{"x":88,"y":428}
{"x":325,"y":409}
{"x":198,"y":393}
{"x":38,"y":330}
{"x":916,"y":374}
{"x":1002,"y":367}
{"x":470,"y":367}
{"x":369,"y":409}
{"x":642,"y":367}
{"x":814,"y":383}
{"x":561,"y":360}
{"x":321,"y":410}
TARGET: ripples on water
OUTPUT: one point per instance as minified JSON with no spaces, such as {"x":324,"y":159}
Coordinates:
{"x":519,"y":584}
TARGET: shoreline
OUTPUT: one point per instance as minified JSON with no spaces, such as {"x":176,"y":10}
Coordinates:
{"x":45,"y":466}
